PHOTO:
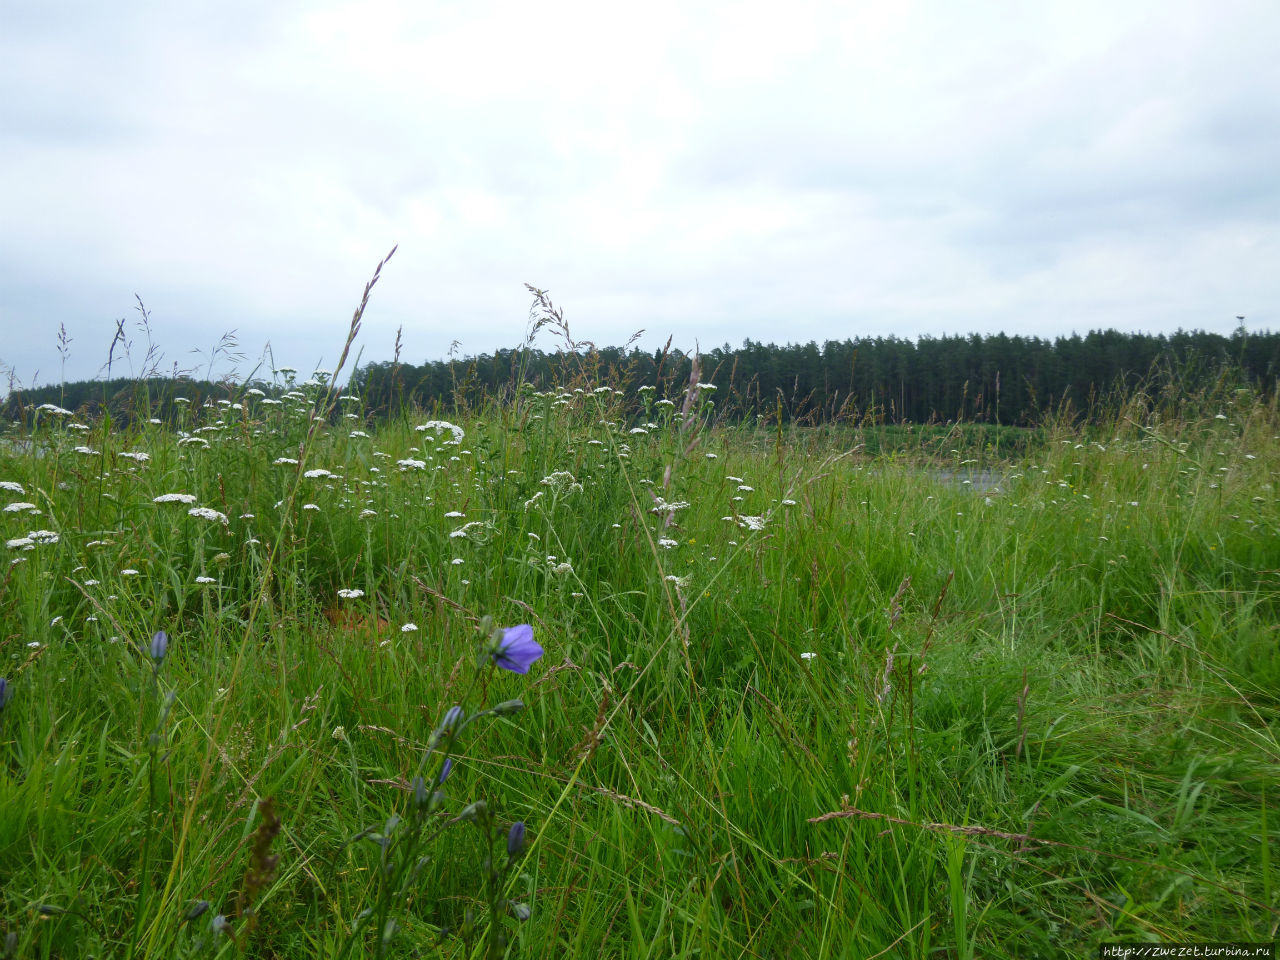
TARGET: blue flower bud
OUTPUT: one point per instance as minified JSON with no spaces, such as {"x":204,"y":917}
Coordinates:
{"x":6,"y":692}
{"x":515,"y":839}
{"x":473,"y":810}
{"x":445,"y":770}
{"x":159,"y":646}
{"x":451,"y":719}
{"x":419,"y":788}
{"x":197,"y":910}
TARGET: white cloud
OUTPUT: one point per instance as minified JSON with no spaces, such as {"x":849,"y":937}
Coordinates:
{"x":718,"y":171}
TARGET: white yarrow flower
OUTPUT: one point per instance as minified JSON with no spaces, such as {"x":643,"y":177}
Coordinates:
{"x":175,"y":498}
{"x":350,"y":594}
{"x":208,"y":513}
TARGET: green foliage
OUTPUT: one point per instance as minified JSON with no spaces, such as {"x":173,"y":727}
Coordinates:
{"x":835,"y":691}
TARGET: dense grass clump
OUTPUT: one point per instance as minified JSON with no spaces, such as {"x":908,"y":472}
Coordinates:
{"x":821,"y":693}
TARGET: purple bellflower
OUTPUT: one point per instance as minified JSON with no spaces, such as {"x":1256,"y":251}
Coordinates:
{"x":517,"y":649}
{"x":515,"y":839}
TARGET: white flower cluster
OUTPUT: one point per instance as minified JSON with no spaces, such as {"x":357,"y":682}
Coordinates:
{"x":439,"y":425}
{"x":32,"y":539}
{"x":175,"y":498}
{"x":208,"y":513}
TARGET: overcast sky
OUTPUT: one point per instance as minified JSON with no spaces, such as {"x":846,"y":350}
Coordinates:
{"x":783,"y":172}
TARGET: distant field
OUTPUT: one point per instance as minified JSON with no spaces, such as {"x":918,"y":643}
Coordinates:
{"x":805,"y":692}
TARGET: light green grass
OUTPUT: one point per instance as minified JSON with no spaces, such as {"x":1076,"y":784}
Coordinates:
{"x":1037,"y":716}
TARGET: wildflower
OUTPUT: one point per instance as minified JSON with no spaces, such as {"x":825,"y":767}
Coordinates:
{"x":452,"y":717}
{"x":661,"y":506}
{"x":667,"y":544}
{"x":207,"y":513}
{"x":517,"y":649}
{"x":11,"y":487}
{"x":175,"y":498}
{"x":205,"y":580}
{"x":410,"y":464}
{"x":340,"y":733}
{"x":137,"y":456}
{"x":752,"y":523}
{"x":350,"y":594}
{"x":409,"y":628}
{"x":457,"y":561}
{"x":310,"y":506}
{"x":438,"y":425}
{"x":6,"y":693}
{"x":808,"y":655}
{"x":473,"y":811}
{"x":159,"y":646}
{"x":316,"y":474}
{"x":188,"y":441}
{"x":455,"y":514}
{"x":745,"y":489}
{"x":21,"y":507}
{"x":366,"y":514}
{"x":60,"y":412}
{"x":284,"y":461}
{"x":128,"y":572}
{"x":43,"y":536}
{"x":515,"y":839}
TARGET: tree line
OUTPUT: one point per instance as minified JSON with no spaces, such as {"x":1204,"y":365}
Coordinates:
{"x":1011,"y":380}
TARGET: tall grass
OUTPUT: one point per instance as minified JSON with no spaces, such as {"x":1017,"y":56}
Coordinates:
{"x":799,"y":698}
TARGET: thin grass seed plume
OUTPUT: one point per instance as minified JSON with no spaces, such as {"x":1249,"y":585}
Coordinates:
{"x":786,"y":707}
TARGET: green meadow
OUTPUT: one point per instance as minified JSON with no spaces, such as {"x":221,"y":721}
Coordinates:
{"x":852,"y":691}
